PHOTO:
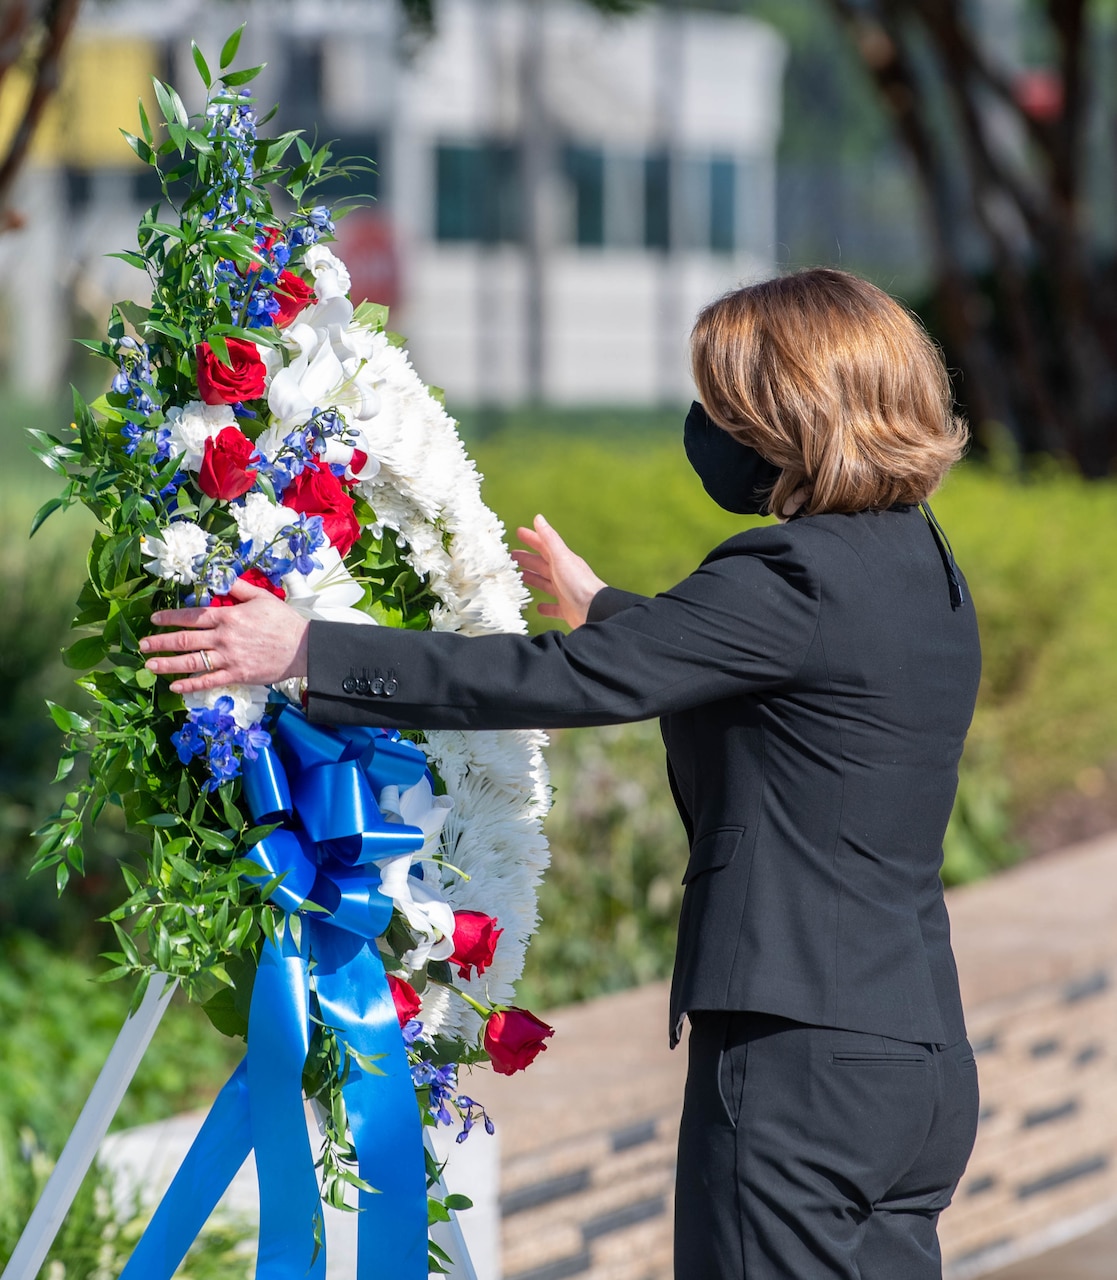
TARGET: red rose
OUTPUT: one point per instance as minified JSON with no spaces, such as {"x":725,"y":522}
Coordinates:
{"x":318,"y":492}
{"x":241,"y":379}
{"x":406,"y":1001}
{"x":475,"y":936}
{"x":292,"y":293}
{"x":514,"y":1039}
{"x":254,"y":578}
{"x":225,"y":472}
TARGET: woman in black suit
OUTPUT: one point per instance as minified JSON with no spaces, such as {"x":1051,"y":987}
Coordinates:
{"x":815,"y":680}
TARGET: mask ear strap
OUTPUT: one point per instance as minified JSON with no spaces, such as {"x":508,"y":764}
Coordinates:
{"x":957,"y":598}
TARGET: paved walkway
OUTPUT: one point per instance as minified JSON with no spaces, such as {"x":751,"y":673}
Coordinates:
{"x":1094,"y":1257}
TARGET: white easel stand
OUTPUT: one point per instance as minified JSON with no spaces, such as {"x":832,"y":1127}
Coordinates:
{"x":473,"y":1239}
{"x":93,"y":1123}
{"x":475,"y":1169}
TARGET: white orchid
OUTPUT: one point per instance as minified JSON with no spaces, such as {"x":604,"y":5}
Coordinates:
{"x":331,"y":276}
{"x":328,"y":593}
{"x":420,"y":901}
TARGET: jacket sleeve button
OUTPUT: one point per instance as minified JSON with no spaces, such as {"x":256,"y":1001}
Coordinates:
{"x":362,"y":685}
{"x":349,"y":685}
{"x":391,"y":684}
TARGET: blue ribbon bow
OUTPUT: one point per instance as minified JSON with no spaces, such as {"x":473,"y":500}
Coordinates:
{"x":322,"y":785}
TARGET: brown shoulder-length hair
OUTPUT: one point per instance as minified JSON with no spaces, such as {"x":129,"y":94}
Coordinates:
{"x":833,"y":381}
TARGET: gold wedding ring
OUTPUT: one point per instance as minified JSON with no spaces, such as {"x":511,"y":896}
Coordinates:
{"x":205,"y":659}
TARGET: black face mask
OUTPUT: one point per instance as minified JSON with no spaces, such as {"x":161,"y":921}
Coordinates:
{"x":735,"y":476}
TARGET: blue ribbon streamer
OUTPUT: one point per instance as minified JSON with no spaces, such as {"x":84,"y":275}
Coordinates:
{"x":322,"y":785}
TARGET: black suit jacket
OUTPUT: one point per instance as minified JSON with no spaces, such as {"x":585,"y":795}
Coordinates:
{"x":815,"y":687}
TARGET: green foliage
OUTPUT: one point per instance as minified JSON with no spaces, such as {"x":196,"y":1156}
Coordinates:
{"x":99,"y":1233}
{"x":65,"y":1025}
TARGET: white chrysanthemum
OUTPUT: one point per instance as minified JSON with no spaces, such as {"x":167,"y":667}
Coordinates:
{"x":421,"y":484}
{"x":176,"y":553}
{"x":249,"y":701}
{"x":259,"y":520}
{"x":192,"y":426}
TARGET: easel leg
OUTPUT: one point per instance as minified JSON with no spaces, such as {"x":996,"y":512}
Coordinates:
{"x":463,"y":1263}
{"x":93,"y":1123}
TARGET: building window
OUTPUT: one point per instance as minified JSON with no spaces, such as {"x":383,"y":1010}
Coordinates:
{"x":723,"y":205}
{"x":584,"y":168}
{"x":657,"y":201}
{"x":477,"y":192}
{"x":302,"y":94}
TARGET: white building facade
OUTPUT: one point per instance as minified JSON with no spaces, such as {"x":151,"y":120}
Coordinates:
{"x":558,"y":192}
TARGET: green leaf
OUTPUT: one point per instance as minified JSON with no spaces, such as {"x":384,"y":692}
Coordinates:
{"x":179,"y":138}
{"x":170,"y":104}
{"x":83,"y":654}
{"x":133,"y":312}
{"x":67,"y":721}
{"x":185,"y":868}
{"x":219,"y":348}
{"x":373,"y":314}
{"x":139,"y":146}
{"x":163,"y":820}
{"x":230,"y":47}
{"x":145,"y":123}
{"x":214,"y":840}
{"x":236,"y":78}
{"x":113,"y":975}
{"x":133,"y":259}
{"x":201,"y":64}
{"x":61,"y":876}
{"x":47,"y":509}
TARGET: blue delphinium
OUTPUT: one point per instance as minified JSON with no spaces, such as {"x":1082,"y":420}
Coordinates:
{"x":290,"y":460}
{"x":232,"y":130}
{"x":294,"y":547}
{"x":466,"y":1108}
{"x":441,"y":1081}
{"x":213,"y":733}
{"x":318,"y":223}
{"x":134,"y":381}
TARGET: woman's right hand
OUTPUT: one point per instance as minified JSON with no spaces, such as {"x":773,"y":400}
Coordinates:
{"x":551,"y":567}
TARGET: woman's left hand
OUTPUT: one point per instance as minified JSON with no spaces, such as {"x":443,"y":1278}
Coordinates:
{"x":260,"y":640}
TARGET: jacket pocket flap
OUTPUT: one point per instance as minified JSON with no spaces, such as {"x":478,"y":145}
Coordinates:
{"x":712,"y":850}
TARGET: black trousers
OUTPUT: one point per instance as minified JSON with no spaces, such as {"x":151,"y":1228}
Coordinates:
{"x":808,"y":1153}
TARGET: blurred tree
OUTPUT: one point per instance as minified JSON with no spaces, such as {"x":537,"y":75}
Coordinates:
{"x":33,"y":35}
{"x":1007,"y":110}
{"x":1003,"y":111}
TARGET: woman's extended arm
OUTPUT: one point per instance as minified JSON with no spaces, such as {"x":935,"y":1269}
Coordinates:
{"x":263,"y":641}
{"x":740,"y":623}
